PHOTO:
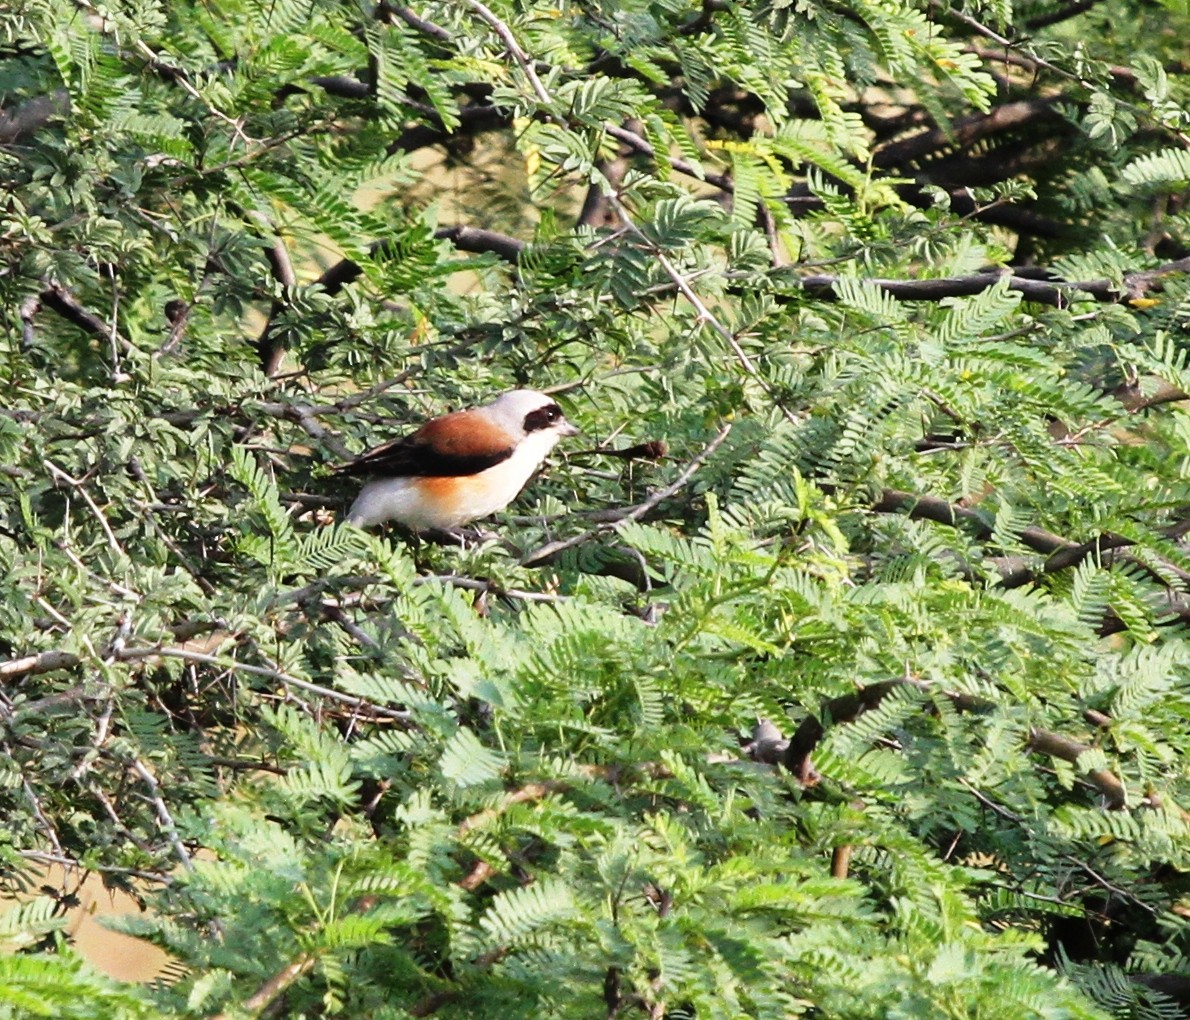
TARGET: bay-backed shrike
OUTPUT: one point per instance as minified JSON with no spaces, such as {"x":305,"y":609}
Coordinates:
{"x":459,"y":467}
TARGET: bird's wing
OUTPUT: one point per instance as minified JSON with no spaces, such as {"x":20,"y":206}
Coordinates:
{"x":455,"y":444}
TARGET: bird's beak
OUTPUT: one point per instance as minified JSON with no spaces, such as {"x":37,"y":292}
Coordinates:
{"x":567,"y":429}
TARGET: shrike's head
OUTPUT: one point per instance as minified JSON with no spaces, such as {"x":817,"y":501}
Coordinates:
{"x":528,"y":414}
{"x":461,"y":466}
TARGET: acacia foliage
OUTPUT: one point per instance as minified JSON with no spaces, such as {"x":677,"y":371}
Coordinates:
{"x":899,"y":284}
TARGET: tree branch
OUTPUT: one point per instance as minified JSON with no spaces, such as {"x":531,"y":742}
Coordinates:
{"x":477,"y":241}
{"x":271,"y":350}
{"x":518,"y":54}
{"x":550,"y":550}
{"x":62,"y":301}
{"x":850,"y":707}
{"x":355,"y":703}
{"x":164,"y":818}
{"x":966,"y":131}
{"x":413,"y":21}
{"x":273,"y":988}
{"x":478,"y":117}
{"x":1057,"y":293}
{"x":1060,"y":15}
{"x":42,"y":662}
{"x":1065,"y":749}
{"x":933,"y":508}
{"x":646,"y":148}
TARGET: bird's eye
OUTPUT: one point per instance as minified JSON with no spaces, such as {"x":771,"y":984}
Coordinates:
{"x":543,"y":417}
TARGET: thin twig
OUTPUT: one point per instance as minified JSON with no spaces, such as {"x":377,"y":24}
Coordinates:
{"x":43,"y":821}
{"x":274,"y":987}
{"x":705,"y":315}
{"x":646,"y":148}
{"x":163,"y":816}
{"x":73,"y":863}
{"x":514,"y":47}
{"x":168,"y":652}
{"x":552,"y":549}
{"x":76,"y":484}
{"x":679,"y":281}
{"x":487,"y":587}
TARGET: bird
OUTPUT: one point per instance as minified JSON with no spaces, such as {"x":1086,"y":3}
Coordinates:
{"x":460,"y":466}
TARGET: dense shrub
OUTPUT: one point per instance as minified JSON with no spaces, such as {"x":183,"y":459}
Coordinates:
{"x":864,"y":697}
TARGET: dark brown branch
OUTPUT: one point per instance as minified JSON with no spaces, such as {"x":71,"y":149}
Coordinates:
{"x":477,"y":118}
{"x":965,"y":132}
{"x":704,"y":19}
{"x":1062,"y":553}
{"x":812,"y":729}
{"x":1058,"y":293}
{"x":933,"y":508}
{"x":849,"y":707}
{"x":469,"y":239}
{"x":1134,"y":399}
{"x":1060,"y":15}
{"x":472,"y":239}
{"x":59,"y":299}
{"x":1065,"y":749}
{"x":269,"y":348}
{"x":343,"y":86}
{"x":387,"y":11}
{"x":984,"y":166}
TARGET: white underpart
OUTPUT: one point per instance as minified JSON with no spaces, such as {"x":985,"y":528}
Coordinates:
{"x":479,"y":495}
